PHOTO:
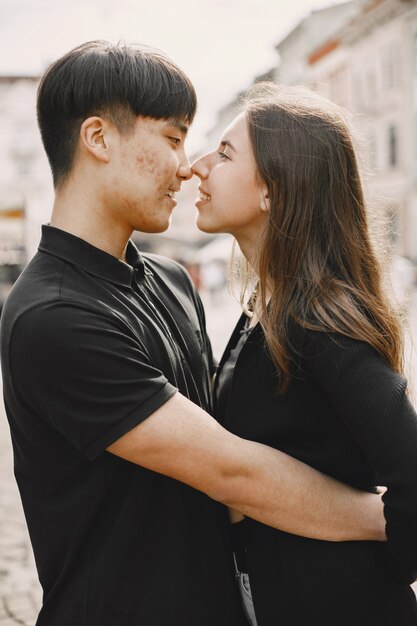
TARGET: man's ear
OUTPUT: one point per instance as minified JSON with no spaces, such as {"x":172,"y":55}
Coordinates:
{"x":93,"y":134}
{"x":264,"y":202}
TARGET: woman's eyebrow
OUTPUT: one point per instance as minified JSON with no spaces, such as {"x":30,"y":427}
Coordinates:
{"x":226,"y":142}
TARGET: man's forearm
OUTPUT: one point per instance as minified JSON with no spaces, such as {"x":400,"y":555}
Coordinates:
{"x":180,"y":440}
{"x":284,"y":493}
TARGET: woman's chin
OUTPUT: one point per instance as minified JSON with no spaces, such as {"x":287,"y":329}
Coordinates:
{"x":206,"y":227}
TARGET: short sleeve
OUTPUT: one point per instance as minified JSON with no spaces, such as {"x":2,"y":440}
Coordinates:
{"x":371,"y":400}
{"x":83,"y":373}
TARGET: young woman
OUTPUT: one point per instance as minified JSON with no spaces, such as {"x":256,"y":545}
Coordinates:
{"x":316,"y":356}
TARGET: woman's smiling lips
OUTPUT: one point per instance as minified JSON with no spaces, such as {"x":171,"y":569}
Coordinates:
{"x":203,"y":196}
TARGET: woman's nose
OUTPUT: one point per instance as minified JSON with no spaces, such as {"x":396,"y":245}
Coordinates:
{"x":200,"y":168}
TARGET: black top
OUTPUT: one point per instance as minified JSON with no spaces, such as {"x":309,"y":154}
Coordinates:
{"x":90,"y":347}
{"x":347,"y":414}
{"x":225,"y":374}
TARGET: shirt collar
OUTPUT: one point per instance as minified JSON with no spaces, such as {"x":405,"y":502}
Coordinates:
{"x":94,"y":261}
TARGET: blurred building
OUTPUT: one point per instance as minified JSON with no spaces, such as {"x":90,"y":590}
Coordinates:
{"x":294,"y":50}
{"x":293,"y":55}
{"x":362,"y":55}
{"x":226,"y":114}
{"x":25,"y":181}
{"x":370,"y":67}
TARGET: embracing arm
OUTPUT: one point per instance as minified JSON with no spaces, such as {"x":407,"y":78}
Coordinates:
{"x":93,"y":383}
{"x":180,"y":440}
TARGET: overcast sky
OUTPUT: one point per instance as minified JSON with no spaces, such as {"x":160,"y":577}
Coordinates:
{"x":222,"y":44}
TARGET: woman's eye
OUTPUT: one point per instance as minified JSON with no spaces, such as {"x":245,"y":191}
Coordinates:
{"x":175,"y":140}
{"x":224,"y":155}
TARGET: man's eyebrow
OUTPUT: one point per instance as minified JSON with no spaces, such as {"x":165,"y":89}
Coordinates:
{"x":178,"y":124}
{"x":226,"y":142}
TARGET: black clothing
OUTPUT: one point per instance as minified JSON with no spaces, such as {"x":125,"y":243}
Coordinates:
{"x":346,"y":413}
{"x":90,"y":347}
{"x":225,"y":376}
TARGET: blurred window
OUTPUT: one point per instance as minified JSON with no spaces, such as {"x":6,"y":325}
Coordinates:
{"x":338,"y":83}
{"x":415,"y":134}
{"x":415,"y":52}
{"x":357,"y":90}
{"x":3,"y":99}
{"x":371,"y":80}
{"x":393,"y":146}
{"x":23,"y":166}
{"x":391,"y":65}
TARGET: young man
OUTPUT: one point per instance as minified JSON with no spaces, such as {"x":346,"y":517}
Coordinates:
{"x":107,"y":370}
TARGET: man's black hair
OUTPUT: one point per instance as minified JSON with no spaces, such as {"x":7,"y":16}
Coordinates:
{"x":115,"y":80}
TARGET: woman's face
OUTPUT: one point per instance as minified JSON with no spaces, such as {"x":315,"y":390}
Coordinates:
{"x":230,"y":200}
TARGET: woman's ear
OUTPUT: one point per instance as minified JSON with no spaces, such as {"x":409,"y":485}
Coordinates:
{"x":93,"y":138}
{"x":264,"y":199}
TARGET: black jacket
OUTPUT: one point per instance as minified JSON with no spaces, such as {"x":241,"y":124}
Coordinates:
{"x":347,"y":414}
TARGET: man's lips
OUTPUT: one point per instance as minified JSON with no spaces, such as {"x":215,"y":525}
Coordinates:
{"x":172,"y":191}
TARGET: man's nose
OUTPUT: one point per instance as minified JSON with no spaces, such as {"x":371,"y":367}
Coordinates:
{"x":184,"y":170}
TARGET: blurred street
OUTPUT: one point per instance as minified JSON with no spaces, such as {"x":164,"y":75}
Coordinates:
{"x":20,"y":594}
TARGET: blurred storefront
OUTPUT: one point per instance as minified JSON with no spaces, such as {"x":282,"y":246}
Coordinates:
{"x":12,"y":243}
{"x":25,"y":180}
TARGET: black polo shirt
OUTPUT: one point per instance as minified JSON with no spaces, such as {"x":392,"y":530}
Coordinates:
{"x":90,"y":347}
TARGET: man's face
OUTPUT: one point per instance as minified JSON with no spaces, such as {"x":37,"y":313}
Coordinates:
{"x":147,"y":167}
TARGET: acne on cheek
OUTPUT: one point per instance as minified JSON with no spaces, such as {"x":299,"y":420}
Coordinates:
{"x":148,"y":164}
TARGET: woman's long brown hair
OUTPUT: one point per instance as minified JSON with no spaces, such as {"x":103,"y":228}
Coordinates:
{"x":316,"y":259}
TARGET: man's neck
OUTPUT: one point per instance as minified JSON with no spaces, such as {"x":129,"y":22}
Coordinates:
{"x":79,"y":216}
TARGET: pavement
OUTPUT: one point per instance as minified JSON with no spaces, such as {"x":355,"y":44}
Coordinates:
{"x":20,"y":593}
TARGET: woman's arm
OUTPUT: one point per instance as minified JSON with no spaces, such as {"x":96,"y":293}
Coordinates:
{"x":371,"y":400}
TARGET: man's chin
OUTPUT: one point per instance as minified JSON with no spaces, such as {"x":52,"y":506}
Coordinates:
{"x":154,"y":229}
